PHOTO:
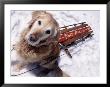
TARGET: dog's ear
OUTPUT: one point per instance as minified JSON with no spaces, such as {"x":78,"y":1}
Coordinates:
{"x":31,"y":22}
{"x":35,"y":14}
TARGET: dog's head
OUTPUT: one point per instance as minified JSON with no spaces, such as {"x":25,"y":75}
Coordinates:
{"x":42,"y":28}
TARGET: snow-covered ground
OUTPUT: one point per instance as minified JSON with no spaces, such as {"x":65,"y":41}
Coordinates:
{"x":85,"y":60}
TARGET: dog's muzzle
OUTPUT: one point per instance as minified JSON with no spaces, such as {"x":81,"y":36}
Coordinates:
{"x":33,"y":38}
{"x":46,"y":41}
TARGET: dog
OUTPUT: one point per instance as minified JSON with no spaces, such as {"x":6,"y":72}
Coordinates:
{"x":39,"y":43}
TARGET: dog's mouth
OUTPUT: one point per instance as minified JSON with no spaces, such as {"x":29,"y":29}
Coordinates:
{"x":44,"y":42}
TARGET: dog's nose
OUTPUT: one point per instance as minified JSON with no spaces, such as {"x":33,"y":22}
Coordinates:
{"x":33,"y":38}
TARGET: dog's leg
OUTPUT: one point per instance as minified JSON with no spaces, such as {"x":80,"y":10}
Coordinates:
{"x":65,"y":75}
{"x":59,"y":73}
{"x":19,"y":66}
{"x":56,"y":72}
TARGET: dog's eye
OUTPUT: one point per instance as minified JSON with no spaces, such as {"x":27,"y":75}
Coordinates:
{"x":47,"y":31}
{"x":39,"y":22}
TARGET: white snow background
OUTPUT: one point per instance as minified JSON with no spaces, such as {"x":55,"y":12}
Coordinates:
{"x":85,"y":60}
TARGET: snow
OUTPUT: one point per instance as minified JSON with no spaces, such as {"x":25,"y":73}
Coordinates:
{"x":85,"y":61}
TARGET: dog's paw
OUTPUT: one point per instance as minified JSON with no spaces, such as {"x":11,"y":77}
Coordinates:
{"x":17,"y":68}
